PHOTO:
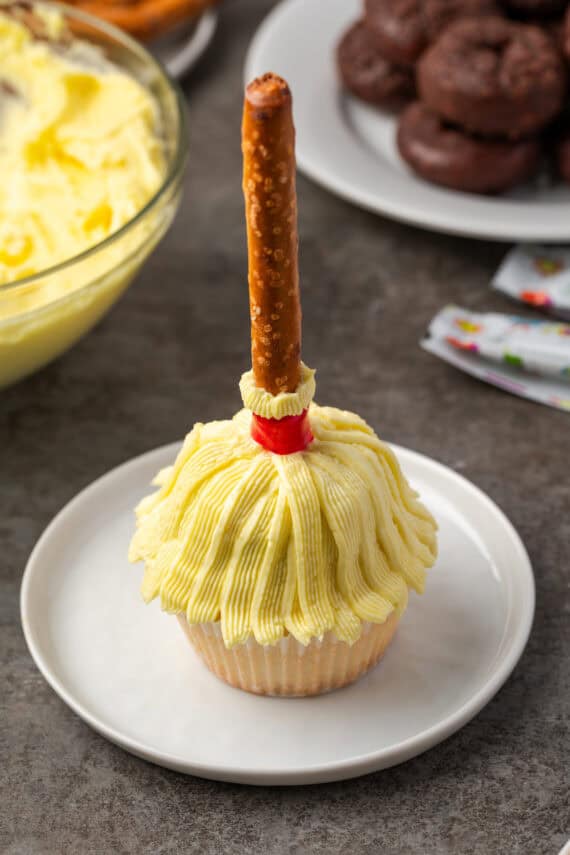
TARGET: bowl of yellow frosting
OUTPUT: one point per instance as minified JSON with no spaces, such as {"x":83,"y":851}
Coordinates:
{"x":92,"y":154}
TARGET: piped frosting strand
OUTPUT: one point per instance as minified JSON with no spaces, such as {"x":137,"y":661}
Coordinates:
{"x":271,"y":545}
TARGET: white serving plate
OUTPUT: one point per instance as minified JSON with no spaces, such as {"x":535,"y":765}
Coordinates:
{"x":349,"y":147}
{"x":180,"y":50}
{"x":128,"y":671}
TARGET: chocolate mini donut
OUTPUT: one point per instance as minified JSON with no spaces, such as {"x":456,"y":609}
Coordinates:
{"x":368,"y":75}
{"x":450,"y":157}
{"x":493,"y":77}
{"x":404,"y":28}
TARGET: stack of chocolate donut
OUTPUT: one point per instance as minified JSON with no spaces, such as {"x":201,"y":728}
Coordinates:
{"x":481,"y":85}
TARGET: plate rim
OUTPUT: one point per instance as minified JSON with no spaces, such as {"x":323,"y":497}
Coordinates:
{"x":194,"y":47}
{"x":404,"y":212}
{"x":323,"y":772}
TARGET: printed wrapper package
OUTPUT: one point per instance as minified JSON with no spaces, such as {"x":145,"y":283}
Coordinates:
{"x":537,"y":276}
{"x":527,"y":357}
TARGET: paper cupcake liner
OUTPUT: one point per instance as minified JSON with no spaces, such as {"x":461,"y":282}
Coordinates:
{"x":289,"y":668}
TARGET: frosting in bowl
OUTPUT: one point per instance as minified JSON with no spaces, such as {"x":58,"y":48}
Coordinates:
{"x":79,"y":150}
{"x":268,"y":545}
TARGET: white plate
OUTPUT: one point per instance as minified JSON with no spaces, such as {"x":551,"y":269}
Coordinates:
{"x":350,"y":149}
{"x":180,"y":50}
{"x":128,"y":671}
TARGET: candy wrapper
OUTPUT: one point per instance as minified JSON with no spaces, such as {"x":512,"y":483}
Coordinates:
{"x":537,"y":276}
{"x":530,"y":358}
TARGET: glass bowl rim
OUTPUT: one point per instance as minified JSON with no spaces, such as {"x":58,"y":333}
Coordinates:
{"x":175,"y":166}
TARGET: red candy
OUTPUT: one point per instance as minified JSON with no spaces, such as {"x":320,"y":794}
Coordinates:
{"x":282,"y":436}
{"x":536,"y":298}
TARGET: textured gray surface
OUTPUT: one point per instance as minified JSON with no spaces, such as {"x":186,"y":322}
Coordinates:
{"x":170,"y":353}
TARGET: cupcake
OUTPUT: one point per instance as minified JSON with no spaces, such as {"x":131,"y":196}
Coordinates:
{"x":286,"y":539}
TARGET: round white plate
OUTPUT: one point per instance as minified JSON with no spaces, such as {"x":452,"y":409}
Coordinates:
{"x":180,"y":50}
{"x":129,"y":672}
{"x":349,"y":147}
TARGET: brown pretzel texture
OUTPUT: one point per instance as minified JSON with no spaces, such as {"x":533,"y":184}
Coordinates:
{"x":268,"y":144}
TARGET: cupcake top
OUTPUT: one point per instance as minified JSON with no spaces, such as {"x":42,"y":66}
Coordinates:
{"x":289,"y":518}
{"x":268,"y":544}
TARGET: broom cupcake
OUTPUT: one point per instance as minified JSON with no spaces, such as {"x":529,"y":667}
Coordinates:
{"x":286,"y":539}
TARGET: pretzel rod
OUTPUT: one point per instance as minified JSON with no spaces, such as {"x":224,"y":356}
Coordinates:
{"x":145,"y":18}
{"x":268,"y":145}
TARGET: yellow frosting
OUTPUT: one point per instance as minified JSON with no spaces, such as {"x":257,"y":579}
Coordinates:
{"x":79,"y":154}
{"x":317,"y":541}
{"x":278,"y":406}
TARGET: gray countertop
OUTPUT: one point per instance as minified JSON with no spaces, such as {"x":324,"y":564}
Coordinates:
{"x":169,"y":354}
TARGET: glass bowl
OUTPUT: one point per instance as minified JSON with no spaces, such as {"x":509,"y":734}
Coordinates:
{"x":45,"y":314}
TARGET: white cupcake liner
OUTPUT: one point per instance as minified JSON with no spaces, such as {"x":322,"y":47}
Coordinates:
{"x":288,"y":668}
